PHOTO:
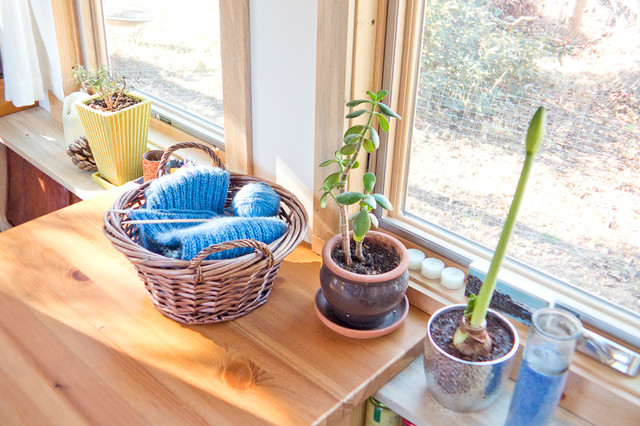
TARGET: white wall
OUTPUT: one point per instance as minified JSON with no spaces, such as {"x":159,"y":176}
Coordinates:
{"x":283,"y":72}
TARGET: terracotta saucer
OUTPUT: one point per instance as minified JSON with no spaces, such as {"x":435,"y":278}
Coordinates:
{"x":391,"y":322}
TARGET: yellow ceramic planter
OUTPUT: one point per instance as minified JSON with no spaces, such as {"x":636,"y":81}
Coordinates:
{"x":117,"y":139}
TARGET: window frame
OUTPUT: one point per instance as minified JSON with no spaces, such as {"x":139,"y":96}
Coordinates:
{"x":401,"y":71}
{"x":80,"y":27}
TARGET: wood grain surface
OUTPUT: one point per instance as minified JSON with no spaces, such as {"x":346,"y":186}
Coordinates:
{"x":82,"y":344}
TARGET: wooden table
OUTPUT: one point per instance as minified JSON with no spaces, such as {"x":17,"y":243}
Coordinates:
{"x":81,"y":343}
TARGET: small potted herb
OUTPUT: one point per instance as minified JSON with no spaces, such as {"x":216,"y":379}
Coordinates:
{"x":116,"y":123}
{"x":469,"y":348}
{"x":365,"y":273}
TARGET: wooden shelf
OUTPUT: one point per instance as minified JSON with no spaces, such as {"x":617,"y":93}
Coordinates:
{"x":111,"y":358}
{"x":39,"y":139}
{"x":407,"y":395}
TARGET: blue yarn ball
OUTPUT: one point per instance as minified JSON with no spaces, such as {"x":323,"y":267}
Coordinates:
{"x":256,"y":200}
{"x":186,"y":243}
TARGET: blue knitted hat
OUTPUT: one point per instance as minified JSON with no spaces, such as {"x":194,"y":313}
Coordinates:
{"x":148,"y":232}
{"x":189,"y":188}
{"x":256,"y":200}
{"x":186,"y":243}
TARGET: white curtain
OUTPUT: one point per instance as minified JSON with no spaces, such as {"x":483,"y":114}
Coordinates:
{"x":30,"y":61}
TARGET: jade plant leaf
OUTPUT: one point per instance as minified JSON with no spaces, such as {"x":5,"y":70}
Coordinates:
{"x":361,"y":225}
{"x":387,"y":111}
{"x":352,"y":137}
{"x":368,"y":145}
{"x":370,"y":201}
{"x":369,"y":181}
{"x":348,"y":198}
{"x":349,"y":149}
{"x":326,"y":163}
{"x":381,"y":94}
{"x":374,"y":219}
{"x":331,"y":180}
{"x":354,"y":130}
{"x":357,"y":102}
{"x":383,"y":122}
{"x":323,"y":200}
{"x":356,"y":113}
{"x":383,"y":202}
{"x":375,"y":138}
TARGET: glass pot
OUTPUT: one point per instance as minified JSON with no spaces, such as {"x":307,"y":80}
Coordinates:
{"x":550,"y":346}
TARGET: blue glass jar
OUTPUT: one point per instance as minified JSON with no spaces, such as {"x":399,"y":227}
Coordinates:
{"x":550,"y":346}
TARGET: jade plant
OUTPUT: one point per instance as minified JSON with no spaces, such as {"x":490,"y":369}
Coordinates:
{"x":100,"y":80}
{"x":335,"y":185}
{"x":472,"y":339}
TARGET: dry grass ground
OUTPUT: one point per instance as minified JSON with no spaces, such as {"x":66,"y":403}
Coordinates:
{"x":580,"y":220}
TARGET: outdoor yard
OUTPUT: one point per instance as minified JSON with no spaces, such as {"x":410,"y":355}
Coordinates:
{"x":580,"y":219}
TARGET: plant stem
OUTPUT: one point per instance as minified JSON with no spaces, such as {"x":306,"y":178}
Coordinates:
{"x":359,"y":253}
{"x":486,"y":291}
{"x":344,"y":230}
{"x":344,"y":211}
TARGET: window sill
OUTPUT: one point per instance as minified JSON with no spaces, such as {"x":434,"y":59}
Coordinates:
{"x":163,"y":135}
{"x":39,"y":139}
{"x":407,"y":395}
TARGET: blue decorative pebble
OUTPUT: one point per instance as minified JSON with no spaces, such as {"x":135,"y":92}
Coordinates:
{"x":256,"y":200}
{"x":535,"y":397}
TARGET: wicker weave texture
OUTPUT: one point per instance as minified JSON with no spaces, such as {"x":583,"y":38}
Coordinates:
{"x":207,"y":291}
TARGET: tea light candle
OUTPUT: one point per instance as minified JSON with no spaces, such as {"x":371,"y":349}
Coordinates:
{"x":415,"y":258}
{"x":452,"y":278}
{"x":432,"y":268}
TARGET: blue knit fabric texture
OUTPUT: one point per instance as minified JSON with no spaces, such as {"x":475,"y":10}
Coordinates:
{"x":187,"y":242}
{"x":189,"y":188}
{"x":256,"y":200}
{"x":148,"y":232}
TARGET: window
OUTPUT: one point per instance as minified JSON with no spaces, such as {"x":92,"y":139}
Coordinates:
{"x":171,"y":54}
{"x":468,"y":86}
{"x":211,"y":59}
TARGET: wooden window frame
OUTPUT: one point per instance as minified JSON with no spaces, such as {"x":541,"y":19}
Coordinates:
{"x":80,"y":34}
{"x":349,"y":62}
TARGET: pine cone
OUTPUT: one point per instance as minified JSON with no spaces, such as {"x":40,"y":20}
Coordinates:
{"x":81,"y":156}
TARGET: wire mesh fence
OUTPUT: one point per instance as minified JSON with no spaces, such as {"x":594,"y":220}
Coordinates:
{"x":584,"y":213}
{"x":501,"y":118}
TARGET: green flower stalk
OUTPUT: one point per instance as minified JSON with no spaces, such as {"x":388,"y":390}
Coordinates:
{"x":471,"y":338}
{"x":355,"y":138}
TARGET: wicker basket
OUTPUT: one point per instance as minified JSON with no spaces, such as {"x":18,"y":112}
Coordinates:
{"x":207,"y":291}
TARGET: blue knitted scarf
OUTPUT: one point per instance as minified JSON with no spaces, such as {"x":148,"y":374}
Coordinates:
{"x":200,"y":193}
{"x":187,"y":242}
{"x":189,"y":188}
{"x":149,"y":232}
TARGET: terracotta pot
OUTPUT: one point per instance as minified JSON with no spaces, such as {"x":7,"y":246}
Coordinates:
{"x":461,"y":385}
{"x":363,"y":301}
{"x":150,"y":162}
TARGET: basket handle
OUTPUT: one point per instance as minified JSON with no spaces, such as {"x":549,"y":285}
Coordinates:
{"x":255,"y":244}
{"x":183,"y":145}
